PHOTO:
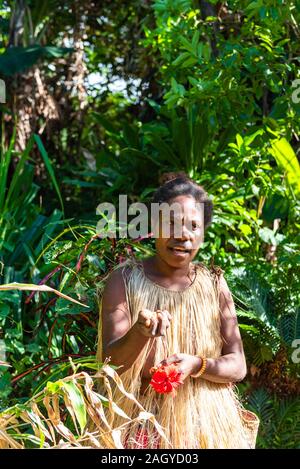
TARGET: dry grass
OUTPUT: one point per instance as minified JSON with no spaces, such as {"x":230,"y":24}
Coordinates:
{"x":71,"y":413}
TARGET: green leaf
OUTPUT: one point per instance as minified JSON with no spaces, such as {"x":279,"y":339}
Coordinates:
{"x":54,"y":388}
{"x":79,"y":183}
{"x":77,"y":402}
{"x":5,"y":384}
{"x":251,"y":138}
{"x":289,"y":327}
{"x":267,"y":236}
{"x":245,"y":229}
{"x":250,"y":328}
{"x":17,"y":59}
{"x":189,"y":62}
{"x":239,"y":141}
{"x":275,"y":206}
{"x":286,"y":158}
{"x":4,"y":310}
{"x":106,"y":123}
{"x":194,"y":81}
{"x":4,"y":167}
{"x":195,"y":41}
{"x":49,"y":167}
{"x":18,"y":175}
{"x":186,"y":44}
{"x":164,"y":150}
{"x":181,"y":58}
{"x":137,"y":154}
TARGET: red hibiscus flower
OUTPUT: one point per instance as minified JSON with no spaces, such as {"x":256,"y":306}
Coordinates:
{"x":166,"y":379}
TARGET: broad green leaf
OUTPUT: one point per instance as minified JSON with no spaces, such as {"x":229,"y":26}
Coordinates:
{"x":55,"y":387}
{"x":251,"y":138}
{"x":245,"y":229}
{"x":17,"y":59}
{"x":267,"y":236}
{"x":286,"y":158}
{"x":77,"y":402}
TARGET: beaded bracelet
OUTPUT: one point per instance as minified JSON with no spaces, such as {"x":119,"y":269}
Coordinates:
{"x":202,"y":369}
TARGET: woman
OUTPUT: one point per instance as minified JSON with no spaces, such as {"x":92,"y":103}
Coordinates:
{"x":168,"y":309}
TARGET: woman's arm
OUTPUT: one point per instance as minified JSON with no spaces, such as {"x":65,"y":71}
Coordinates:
{"x":121,"y":342}
{"x":231,"y":366}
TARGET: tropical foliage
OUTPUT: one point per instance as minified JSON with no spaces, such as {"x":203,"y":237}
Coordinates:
{"x":102,"y":98}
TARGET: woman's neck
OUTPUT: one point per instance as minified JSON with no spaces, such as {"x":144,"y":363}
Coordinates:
{"x":165,"y":270}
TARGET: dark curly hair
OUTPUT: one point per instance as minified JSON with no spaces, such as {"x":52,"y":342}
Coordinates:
{"x":174,"y":184}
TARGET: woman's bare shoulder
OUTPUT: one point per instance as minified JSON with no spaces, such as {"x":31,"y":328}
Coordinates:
{"x":114,"y":283}
{"x":116,"y":279}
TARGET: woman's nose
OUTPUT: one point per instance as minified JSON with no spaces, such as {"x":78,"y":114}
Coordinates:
{"x":184,"y":233}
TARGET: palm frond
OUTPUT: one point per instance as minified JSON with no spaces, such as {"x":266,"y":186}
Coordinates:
{"x":289,"y":326}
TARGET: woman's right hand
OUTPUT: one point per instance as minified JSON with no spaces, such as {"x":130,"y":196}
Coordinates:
{"x":154,"y":323}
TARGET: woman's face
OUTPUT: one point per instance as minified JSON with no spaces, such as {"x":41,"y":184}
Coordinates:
{"x":181,"y":231}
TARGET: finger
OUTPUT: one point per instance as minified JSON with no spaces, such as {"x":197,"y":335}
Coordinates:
{"x":146,"y":315}
{"x":162,"y":363}
{"x":163,"y":324}
{"x":172,"y":359}
{"x":159,"y":323}
{"x":145,"y":322}
{"x":168,"y":317}
{"x":166,"y":312}
{"x":168,"y":361}
{"x":154,"y":326}
{"x":148,"y":323}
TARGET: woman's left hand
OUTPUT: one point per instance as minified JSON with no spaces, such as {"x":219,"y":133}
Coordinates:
{"x":187,"y":364}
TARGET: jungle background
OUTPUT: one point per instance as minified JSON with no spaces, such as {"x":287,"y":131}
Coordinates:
{"x":101,"y":99}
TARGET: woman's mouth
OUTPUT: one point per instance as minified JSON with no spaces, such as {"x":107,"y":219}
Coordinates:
{"x":179,"y":251}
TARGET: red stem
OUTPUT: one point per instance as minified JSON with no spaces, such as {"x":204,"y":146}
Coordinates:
{"x":47,"y":363}
{"x":42,"y":282}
